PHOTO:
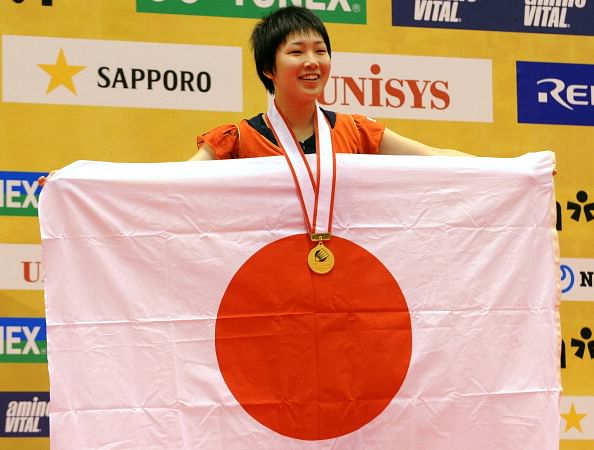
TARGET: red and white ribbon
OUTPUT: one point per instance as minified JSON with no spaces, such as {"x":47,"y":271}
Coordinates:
{"x":316,"y":195}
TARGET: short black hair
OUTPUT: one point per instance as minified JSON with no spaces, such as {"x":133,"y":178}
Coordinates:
{"x":273,"y":30}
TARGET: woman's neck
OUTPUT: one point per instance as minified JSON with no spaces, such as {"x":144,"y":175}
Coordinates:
{"x":300,"y":118}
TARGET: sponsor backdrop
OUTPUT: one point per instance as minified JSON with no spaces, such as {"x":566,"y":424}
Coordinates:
{"x":137,"y":80}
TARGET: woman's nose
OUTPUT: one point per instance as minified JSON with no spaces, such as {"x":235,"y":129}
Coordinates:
{"x":311,"y":60}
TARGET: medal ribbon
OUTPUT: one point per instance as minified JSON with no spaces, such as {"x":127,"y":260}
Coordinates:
{"x":316,"y":196}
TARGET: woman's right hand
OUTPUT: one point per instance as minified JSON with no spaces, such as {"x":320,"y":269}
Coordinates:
{"x":43,"y":179}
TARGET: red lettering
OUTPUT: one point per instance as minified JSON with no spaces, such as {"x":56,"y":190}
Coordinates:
{"x":27,"y":272}
{"x":395,"y":92}
{"x":417,"y":92}
{"x":323,"y":100}
{"x":440,"y":94}
{"x":357,"y":91}
{"x":375,"y":86}
{"x":379,"y":92}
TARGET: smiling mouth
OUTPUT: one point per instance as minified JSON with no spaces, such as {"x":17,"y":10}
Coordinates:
{"x":311,"y":77}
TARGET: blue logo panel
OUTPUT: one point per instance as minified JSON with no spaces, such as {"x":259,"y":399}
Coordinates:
{"x":23,"y":340}
{"x":555,"y":93}
{"x":19,"y":193}
{"x":573,"y":17}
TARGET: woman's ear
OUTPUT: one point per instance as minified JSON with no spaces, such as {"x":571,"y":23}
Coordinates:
{"x":267,"y":74}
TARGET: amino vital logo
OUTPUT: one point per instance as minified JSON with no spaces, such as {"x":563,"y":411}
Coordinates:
{"x":549,"y":13}
{"x":24,"y":414}
{"x":573,"y":17}
{"x":410,"y":87}
{"x":23,"y":340}
{"x":338,"y":11}
{"x":438,"y":10}
{"x":19,"y":193}
{"x":555,"y":93}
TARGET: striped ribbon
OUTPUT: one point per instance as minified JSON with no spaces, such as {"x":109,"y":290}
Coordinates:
{"x":316,"y":194}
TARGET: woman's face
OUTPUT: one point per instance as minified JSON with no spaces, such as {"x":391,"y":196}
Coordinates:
{"x":302,"y":68}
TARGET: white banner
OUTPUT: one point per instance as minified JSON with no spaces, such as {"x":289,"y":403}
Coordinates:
{"x":69,"y":71}
{"x":21,"y":267}
{"x":577,"y":417}
{"x":410,"y":87}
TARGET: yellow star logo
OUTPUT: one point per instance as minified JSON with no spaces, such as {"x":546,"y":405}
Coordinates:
{"x":61,"y":73}
{"x":572,"y":419}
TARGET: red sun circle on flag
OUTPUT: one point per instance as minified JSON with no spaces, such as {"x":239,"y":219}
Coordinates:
{"x":313,"y":356}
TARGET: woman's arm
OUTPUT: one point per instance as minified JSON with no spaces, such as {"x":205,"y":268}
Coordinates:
{"x":204,"y":153}
{"x":394,"y":144}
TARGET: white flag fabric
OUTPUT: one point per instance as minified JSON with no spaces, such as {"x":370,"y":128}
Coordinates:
{"x":181,"y":312}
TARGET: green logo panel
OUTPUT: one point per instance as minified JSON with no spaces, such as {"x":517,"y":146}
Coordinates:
{"x":336,"y":11}
{"x":23,"y":340}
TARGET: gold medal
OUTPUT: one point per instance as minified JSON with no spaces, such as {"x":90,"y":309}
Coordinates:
{"x":320,"y":259}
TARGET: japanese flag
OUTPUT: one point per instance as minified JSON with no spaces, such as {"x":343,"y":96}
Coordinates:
{"x":181,"y":311}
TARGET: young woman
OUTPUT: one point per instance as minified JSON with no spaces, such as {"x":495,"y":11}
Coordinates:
{"x":292,"y":54}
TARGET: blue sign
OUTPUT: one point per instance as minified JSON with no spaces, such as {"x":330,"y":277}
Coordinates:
{"x":529,"y":16}
{"x":555,"y":93}
{"x":23,"y":340}
{"x":19,"y":193}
